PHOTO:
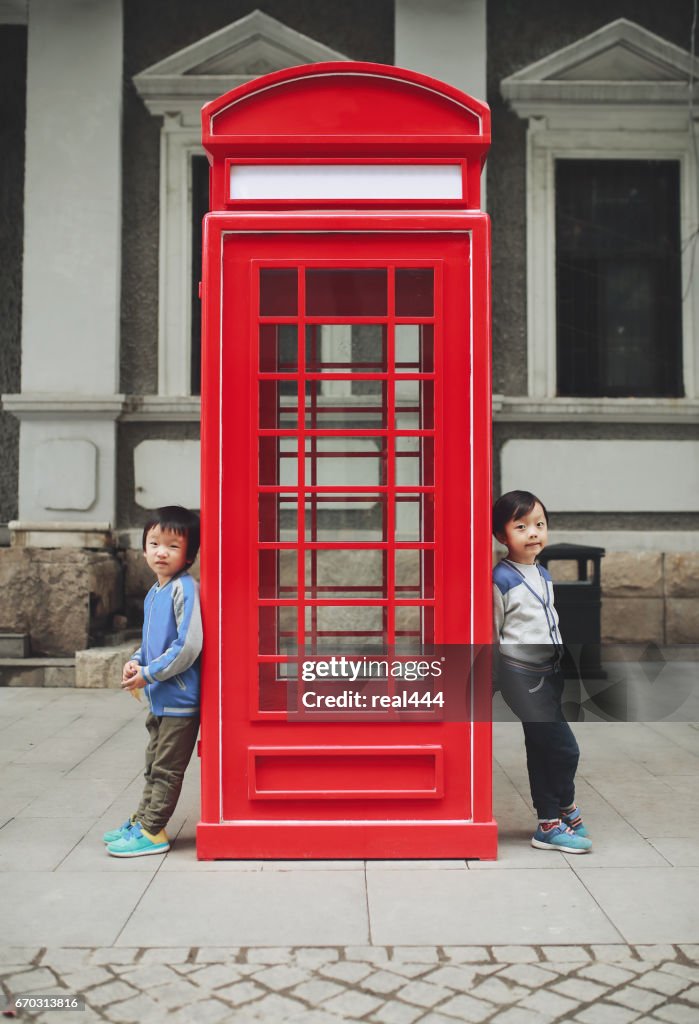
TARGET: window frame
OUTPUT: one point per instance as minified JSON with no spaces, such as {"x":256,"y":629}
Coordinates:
{"x":178,"y":145}
{"x":546,"y":145}
{"x":661,"y":361}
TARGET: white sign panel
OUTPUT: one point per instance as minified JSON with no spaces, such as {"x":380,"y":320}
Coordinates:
{"x":346,"y":181}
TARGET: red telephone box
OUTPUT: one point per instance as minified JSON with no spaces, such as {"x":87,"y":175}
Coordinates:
{"x":345,"y":459}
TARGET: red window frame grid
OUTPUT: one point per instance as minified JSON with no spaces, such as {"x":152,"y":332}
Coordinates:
{"x":390,"y":489}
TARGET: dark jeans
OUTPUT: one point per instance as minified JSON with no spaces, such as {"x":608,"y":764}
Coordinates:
{"x":167,"y":755}
{"x":552,"y":750}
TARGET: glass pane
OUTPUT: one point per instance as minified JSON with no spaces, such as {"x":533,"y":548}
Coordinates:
{"x":278,"y":348}
{"x":278,"y":292}
{"x":414,"y":348}
{"x":414,"y":626}
{"x":326,"y":626}
{"x":627,"y":308}
{"x":345,"y":573}
{"x":278,"y":517}
{"x":278,"y":573}
{"x":414,"y":405}
{"x":278,"y":461}
{"x":278,"y":410}
{"x":414,"y":291}
{"x":273,"y":680}
{"x":332,"y":405}
{"x":344,"y":348}
{"x":352,"y":517}
{"x":342,"y":461}
{"x":415,"y":517}
{"x":414,"y":574}
{"x":369,"y":355}
{"x":346,"y":292}
{"x":277,"y":629}
{"x":415,"y":461}
{"x":618,"y":278}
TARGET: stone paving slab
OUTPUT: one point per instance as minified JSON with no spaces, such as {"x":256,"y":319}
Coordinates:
{"x":472,"y":907}
{"x":70,"y":908}
{"x":332,"y":984}
{"x":249,"y":907}
{"x":647,"y":904}
{"x":52,"y":841}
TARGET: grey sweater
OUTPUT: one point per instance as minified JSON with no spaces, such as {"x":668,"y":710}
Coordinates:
{"x":525,"y":620}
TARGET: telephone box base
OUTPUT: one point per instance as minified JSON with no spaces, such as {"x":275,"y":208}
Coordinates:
{"x":348,"y":840}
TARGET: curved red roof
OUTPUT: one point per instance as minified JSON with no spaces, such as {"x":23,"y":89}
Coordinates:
{"x":340,"y":105}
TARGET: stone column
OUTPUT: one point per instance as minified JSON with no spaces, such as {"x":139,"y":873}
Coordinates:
{"x":69,"y":401}
{"x":445,"y":39}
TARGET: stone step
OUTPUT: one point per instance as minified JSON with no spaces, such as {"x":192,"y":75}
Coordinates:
{"x":101,"y":667}
{"x":94,"y":668}
{"x":37,"y":671}
{"x":14,"y":645}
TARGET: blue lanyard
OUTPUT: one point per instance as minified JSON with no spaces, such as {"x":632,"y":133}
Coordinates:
{"x":550,"y":622}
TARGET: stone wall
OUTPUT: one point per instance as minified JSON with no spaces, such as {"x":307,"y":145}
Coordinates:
{"x":651,"y":597}
{"x":646,"y":596}
{"x":62,"y":598}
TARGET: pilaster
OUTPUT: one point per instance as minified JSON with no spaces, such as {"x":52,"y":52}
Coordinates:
{"x":71,"y":275}
{"x":445,"y":39}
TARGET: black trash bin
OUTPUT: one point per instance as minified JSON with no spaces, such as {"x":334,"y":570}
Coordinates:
{"x":579,"y":606}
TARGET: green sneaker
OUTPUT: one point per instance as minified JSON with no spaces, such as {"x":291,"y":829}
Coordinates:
{"x":139,"y":843}
{"x":560,"y":838}
{"x":119,"y":833}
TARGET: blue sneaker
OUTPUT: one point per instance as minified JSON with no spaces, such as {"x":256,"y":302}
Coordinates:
{"x":573,"y":820}
{"x":119,"y":833}
{"x":139,"y":843}
{"x":560,"y":838}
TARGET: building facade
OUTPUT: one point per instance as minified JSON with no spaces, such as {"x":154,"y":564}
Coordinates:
{"x":593,"y":188}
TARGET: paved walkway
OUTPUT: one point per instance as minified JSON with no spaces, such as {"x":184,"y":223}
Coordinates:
{"x":532,"y":937}
{"x":427,"y":985}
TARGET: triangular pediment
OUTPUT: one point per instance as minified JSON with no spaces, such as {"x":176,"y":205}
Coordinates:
{"x":621,"y":61}
{"x":254,"y":45}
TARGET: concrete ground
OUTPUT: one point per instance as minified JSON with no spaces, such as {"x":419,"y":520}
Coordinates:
{"x":536,"y":936}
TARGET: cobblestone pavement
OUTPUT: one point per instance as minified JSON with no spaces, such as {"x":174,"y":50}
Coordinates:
{"x":611,"y":984}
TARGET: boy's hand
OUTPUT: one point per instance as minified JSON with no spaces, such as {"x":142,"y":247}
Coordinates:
{"x":130,"y":669}
{"x":134,"y":681}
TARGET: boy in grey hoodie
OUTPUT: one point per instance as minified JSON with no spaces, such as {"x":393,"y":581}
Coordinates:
{"x":529,"y":673}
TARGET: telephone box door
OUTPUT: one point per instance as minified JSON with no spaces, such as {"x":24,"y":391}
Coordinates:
{"x":352,"y":402}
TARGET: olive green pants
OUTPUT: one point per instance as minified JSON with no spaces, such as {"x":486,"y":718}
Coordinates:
{"x":167,"y":755}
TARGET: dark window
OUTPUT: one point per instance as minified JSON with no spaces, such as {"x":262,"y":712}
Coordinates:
{"x":200,"y":206}
{"x":618,"y":278}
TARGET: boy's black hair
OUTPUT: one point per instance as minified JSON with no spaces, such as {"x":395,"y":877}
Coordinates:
{"x":514,"y":505}
{"x":179,"y":520}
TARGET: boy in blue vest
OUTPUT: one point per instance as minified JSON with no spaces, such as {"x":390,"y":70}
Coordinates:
{"x":529,"y":673}
{"x":166,"y":666}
